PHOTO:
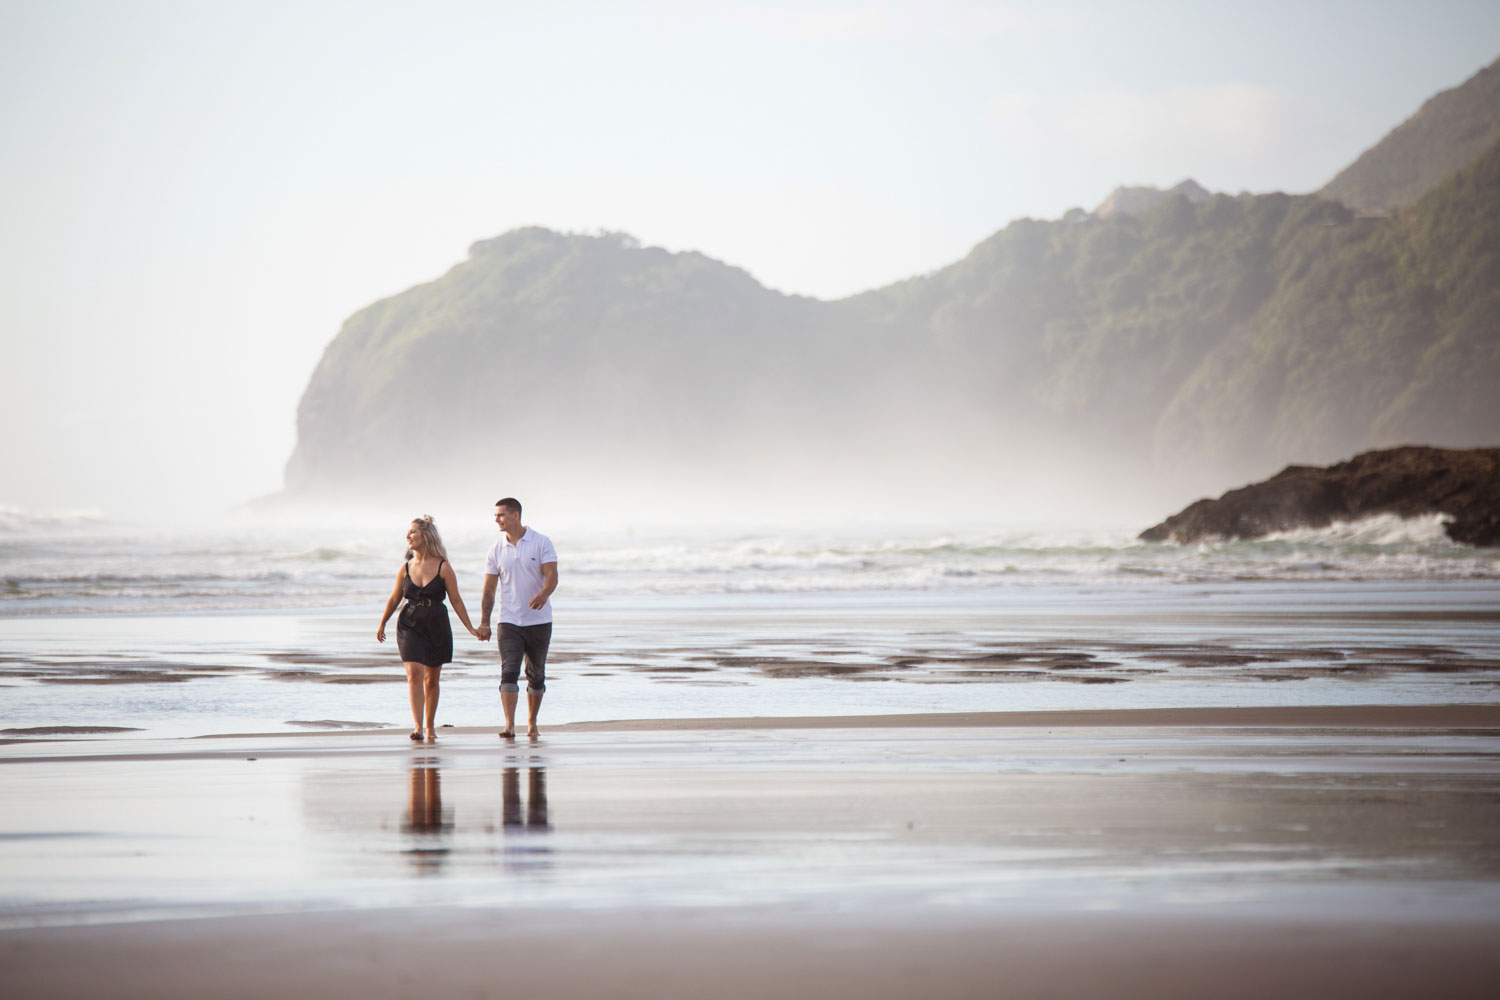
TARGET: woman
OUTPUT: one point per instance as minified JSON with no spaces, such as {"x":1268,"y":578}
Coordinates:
{"x":422,"y":632}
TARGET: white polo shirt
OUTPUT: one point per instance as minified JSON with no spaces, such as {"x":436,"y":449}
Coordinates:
{"x":519,"y":568}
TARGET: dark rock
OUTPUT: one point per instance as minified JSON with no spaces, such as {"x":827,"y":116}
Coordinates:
{"x":1409,"y":482}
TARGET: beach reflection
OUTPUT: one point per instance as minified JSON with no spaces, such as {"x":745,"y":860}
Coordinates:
{"x":443,"y":821}
{"x":524,"y":855}
{"x":433,"y":842}
{"x":426,"y":823}
{"x":534,"y":814}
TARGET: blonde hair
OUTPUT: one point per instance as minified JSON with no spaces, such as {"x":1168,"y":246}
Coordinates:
{"x":428,"y":527}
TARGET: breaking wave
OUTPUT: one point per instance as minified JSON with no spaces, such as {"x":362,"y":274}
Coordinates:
{"x":1429,"y":531}
{"x":78,"y":564}
{"x":16,"y":520}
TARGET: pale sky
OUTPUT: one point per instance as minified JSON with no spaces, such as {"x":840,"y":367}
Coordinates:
{"x":197,"y":194}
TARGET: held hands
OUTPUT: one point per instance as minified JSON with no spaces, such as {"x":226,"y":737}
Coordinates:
{"x":482,"y":633}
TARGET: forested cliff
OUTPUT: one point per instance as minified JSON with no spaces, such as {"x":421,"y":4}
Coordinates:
{"x":1200,"y":342}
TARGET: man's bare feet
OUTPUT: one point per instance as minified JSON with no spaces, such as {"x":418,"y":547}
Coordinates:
{"x":507,"y":734}
{"x":432,"y":736}
{"x":416,"y":734}
{"x":532,"y":732}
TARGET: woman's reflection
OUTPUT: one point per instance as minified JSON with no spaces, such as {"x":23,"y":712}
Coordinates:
{"x":426,"y":819}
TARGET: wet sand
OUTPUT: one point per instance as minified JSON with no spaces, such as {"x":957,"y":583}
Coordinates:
{"x":1306,"y":851}
{"x":712,"y":955}
{"x":1293,"y":716}
{"x":1014,"y":648}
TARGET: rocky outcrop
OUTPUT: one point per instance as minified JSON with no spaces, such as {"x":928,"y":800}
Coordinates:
{"x":1463,"y":484}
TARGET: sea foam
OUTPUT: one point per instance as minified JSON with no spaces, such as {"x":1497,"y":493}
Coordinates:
{"x":74,"y":564}
{"x":1425,"y":531}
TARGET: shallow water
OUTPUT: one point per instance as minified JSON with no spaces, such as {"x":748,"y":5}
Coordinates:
{"x":649,"y":656}
{"x":263,"y":628}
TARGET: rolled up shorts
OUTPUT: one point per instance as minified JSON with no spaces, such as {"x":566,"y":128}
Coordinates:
{"x":529,"y":643}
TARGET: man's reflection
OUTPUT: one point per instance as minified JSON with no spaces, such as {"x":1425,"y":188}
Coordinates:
{"x":524,"y":856}
{"x":535,"y":811}
{"x":426,"y":819}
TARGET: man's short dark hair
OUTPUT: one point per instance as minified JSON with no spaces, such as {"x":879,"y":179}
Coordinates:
{"x":510,"y":503}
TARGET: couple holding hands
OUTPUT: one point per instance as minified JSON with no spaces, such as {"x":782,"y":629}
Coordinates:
{"x":522,"y":566}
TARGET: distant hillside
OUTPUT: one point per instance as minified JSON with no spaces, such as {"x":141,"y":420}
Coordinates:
{"x":1447,"y":133}
{"x":592,"y":347}
{"x":1377,"y":333}
{"x":1213,"y":342}
{"x":1195,"y":344}
{"x":1164,"y":353}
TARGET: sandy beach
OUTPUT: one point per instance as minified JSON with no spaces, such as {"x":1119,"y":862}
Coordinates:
{"x":655,"y":953}
{"x":1311,"y":851}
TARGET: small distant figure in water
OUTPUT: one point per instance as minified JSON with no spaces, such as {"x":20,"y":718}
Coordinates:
{"x":422,"y":632}
{"x":524,"y":564}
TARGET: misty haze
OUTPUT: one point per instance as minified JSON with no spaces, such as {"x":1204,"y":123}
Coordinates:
{"x":1110,"y":364}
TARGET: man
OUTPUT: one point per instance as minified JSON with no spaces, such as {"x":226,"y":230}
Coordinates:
{"x":524,"y":564}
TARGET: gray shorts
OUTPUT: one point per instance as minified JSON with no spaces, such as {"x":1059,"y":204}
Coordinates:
{"x":529,"y":643}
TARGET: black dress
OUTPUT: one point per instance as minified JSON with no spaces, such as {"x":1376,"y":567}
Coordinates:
{"x":422,"y":631}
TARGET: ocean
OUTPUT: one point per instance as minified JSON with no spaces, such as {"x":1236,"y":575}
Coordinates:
{"x":118,"y":630}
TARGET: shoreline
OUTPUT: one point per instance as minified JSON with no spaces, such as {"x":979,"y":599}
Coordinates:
{"x":1299,"y":716}
{"x":1454,"y":716}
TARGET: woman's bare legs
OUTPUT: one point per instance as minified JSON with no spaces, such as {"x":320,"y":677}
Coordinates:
{"x":430,"y":693}
{"x":415,"y":684}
